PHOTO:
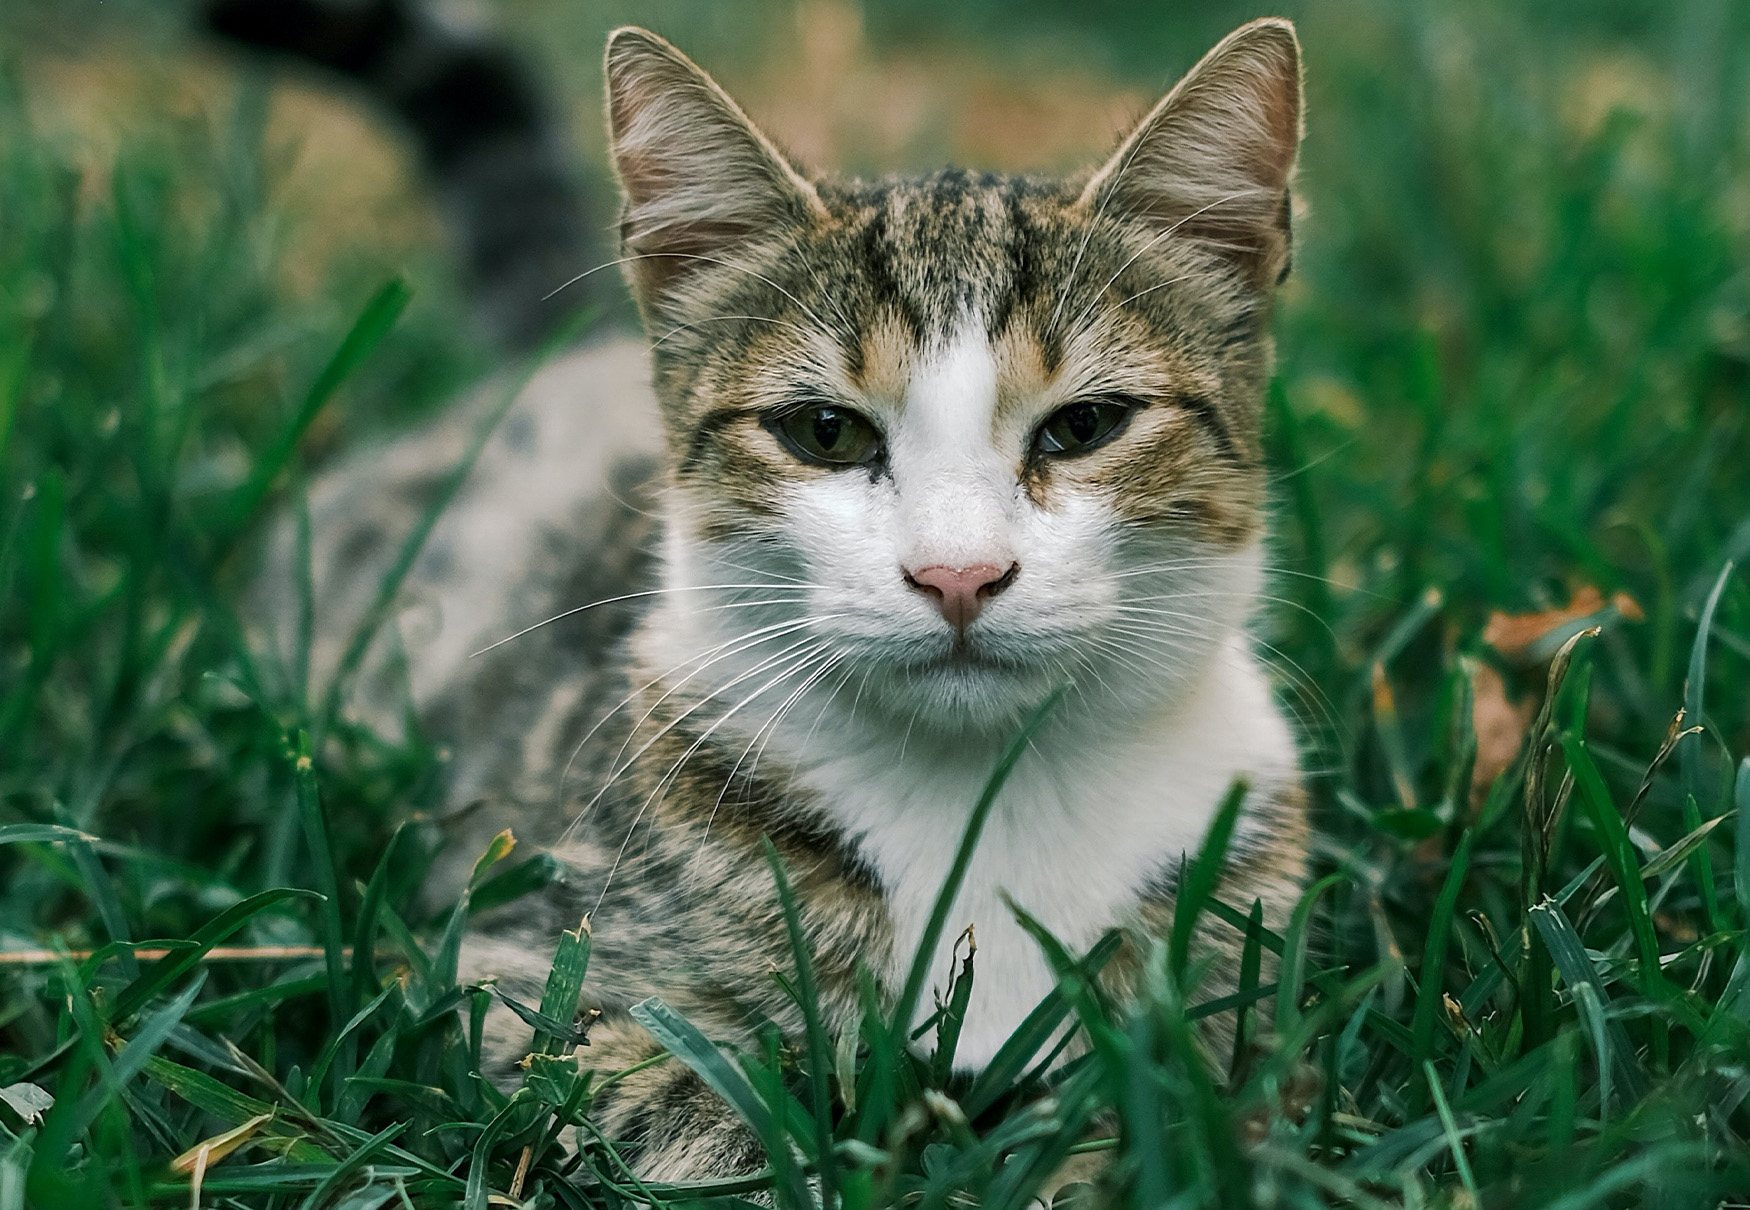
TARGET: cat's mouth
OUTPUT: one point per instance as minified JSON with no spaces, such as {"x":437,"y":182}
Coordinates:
{"x":968,"y":655}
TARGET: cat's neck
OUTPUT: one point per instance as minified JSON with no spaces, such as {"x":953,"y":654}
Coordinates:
{"x":1095,"y":817}
{"x":1108,"y":797}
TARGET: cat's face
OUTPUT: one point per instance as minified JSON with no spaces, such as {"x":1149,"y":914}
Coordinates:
{"x":944,"y":442}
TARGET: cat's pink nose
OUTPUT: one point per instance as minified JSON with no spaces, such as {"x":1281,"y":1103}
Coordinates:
{"x":960,"y":592}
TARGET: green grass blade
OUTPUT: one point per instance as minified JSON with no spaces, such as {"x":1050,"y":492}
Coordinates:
{"x":444,"y":963}
{"x":873,"y":1117}
{"x":103,"y":895}
{"x":559,"y":999}
{"x":1429,"y":988}
{"x":1241,"y":921}
{"x":131,"y":1059}
{"x":343,"y":1171}
{"x":684,"y":1041}
{"x":235,"y":1007}
{"x":913,"y":991}
{"x":230,"y":1106}
{"x":364,"y":934}
{"x":1292,"y":984}
{"x":820,"y":1051}
{"x":508,"y":885}
{"x":952,"y":1018}
{"x":1082,"y":993}
{"x":41,"y":833}
{"x":1592,"y":1018}
{"x":315,"y":823}
{"x":1449,"y":1125}
{"x":1741,"y":849}
{"x":367,"y":332}
{"x":1577,"y":970}
{"x":1686,"y":846}
{"x":173,"y":966}
{"x":342,"y":1038}
{"x":1200,"y":880}
{"x":1564,"y":1098}
{"x":1251,"y":968}
{"x":1619,"y":855}
{"x":1695,"y":690}
{"x":1021,"y":1048}
{"x":558,"y":1028}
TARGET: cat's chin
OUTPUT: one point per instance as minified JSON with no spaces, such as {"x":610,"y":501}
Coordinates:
{"x":989,"y":686}
{"x":963,"y":689}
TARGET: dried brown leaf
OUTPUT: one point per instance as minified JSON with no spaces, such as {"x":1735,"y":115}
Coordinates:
{"x":1517,"y":635}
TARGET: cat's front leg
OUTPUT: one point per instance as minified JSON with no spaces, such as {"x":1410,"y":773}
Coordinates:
{"x":667,"y":1123}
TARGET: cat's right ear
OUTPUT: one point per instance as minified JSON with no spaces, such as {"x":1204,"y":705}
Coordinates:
{"x":698,"y":177}
{"x":1211,"y":163}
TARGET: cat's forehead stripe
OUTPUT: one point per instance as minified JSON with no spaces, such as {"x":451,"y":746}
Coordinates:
{"x":939,"y":248}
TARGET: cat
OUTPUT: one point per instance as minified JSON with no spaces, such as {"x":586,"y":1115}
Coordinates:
{"x":896,"y":461}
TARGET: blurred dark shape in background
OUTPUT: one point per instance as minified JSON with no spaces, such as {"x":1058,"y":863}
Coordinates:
{"x":489,"y":138}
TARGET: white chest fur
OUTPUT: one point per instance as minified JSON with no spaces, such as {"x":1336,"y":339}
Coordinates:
{"x":1089,"y":815}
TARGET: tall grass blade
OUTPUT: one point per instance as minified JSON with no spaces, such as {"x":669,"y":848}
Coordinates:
{"x":367,"y":332}
{"x":1291,"y":987}
{"x":1429,"y":990}
{"x":1741,"y":846}
{"x":684,"y":1041}
{"x":1695,"y":690}
{"x":1021,"y":1048}
{"x":820,"y":1050}
{"x":1199,"y":882}
{"x":875,"y":1108}
{"x":1620,"y":856}
{"x":1577,"y":970}
{"x":315,"y":823}
{"x":564,"y":986}
{"x":172,"y":967}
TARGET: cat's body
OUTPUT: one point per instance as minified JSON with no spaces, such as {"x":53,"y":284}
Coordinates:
{"x":928,"y":449}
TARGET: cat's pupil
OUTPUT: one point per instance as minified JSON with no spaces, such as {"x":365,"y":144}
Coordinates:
{"x":1083,"y":421}
{"x":827,"y":427}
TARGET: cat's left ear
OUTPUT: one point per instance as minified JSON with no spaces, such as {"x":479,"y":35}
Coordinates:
{"x":699,"y":178}
{"x":1212,"y":161}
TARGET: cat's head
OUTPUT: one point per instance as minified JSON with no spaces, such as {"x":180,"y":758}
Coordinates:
{"x":954,"y":438}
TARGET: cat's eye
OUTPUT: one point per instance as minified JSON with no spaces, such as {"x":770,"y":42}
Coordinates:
{"x":1081,"y":426}
{"x":827,"y":434}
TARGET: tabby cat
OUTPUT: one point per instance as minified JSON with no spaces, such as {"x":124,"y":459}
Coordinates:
{"x":898,"y":459}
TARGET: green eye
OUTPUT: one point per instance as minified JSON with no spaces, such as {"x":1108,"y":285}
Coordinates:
{"x":1081,"y":426}
{"x":828,"y":435}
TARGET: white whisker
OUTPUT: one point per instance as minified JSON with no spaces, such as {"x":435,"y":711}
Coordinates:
{"x":1165,"y":233}
{"x":667,"y":778}
{"x":709,"y":657}
{"x":714,"y":260}
{"x":630,"y":596}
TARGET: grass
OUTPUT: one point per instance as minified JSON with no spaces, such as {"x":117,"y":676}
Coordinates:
{"x":1516,"y":364}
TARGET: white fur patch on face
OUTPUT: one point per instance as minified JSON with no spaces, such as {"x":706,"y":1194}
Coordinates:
{"x":956,"y":490}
